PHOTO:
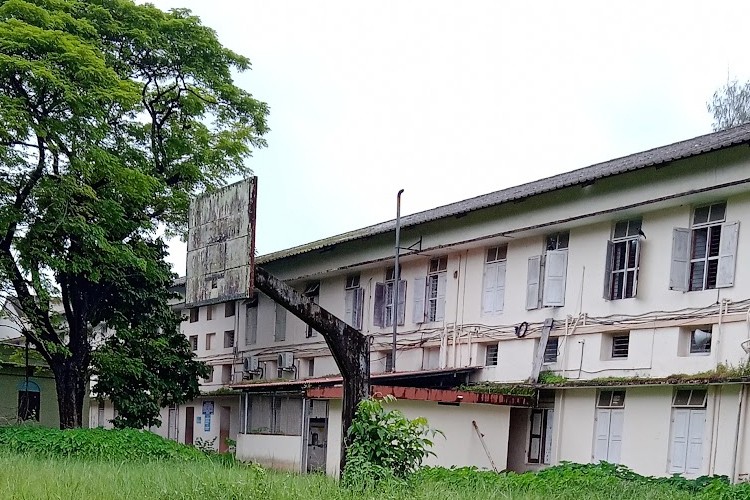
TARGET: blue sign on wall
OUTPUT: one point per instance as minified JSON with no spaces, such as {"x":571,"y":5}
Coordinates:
{"x":207,"y":422}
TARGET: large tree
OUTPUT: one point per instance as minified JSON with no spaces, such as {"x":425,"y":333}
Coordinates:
{"x":112,"y":115}
{"x":730,"y":105}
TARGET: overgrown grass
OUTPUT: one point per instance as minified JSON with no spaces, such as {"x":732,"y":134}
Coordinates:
{"x":38,"y":463}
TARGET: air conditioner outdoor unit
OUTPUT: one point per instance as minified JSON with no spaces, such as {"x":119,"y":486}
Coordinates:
{"x":286,"y":361}
{"x":250,"y":365}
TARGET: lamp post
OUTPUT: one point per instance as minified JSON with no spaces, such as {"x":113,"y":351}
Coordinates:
{"x":396,"y":280}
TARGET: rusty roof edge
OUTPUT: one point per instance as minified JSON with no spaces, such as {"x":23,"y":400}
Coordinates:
{"x":663,"y":154}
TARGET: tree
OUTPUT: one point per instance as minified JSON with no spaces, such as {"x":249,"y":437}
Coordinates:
{"x":112,"y":115}
{"x":730,"y":105}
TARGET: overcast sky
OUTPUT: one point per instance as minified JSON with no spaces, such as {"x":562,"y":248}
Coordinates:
{"x":449,"y":100}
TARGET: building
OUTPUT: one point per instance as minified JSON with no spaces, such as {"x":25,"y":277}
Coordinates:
{"x":604,"y":311}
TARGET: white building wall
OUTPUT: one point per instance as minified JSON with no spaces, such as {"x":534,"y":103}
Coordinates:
{"x":278,"y":452}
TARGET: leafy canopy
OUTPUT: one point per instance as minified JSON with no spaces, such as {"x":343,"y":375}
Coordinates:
{"x":112,"y":115}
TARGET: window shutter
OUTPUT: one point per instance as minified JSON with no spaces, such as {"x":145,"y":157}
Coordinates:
{"x":615,"y":436}
{"x":679,"y":444}
{"x":349,"y":307}
{"x":378,"y":314}
{"x":608,"y":272}
{"x":678,"y":273}
{"x":442,"y":284}
{"x":489,"y":288}
{"x":555,"y":271}
{"x":637,"y":266}
{"x":547,"y":459}
{"x":532,"y":282}
{"x":694,"y":459}
{"x":359,"y":300}
{"x":601,"y":441}
{"x":420,"y":286}
{"x":500,"y":291}
{"x":727,"y":253}
{"x":401,"y":302}
{"x":280,"y":327}
{"x":251,"y":325}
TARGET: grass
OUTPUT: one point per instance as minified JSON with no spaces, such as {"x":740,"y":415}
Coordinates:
{"x":34,"y":477}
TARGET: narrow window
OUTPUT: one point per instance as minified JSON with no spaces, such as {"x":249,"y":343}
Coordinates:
{"x":540,"y":436}
{"x":228,"y":309}
{"x":353,"y":300}
{"x":493,"y":288}
{"x":228,"y":339}
{"x":312,"y":292}
{"x":705,"y":243}
{"x":550,"y":350}
{"x":490,"y":358}
{"x":687,"y":432}
{"x":389,"y":362}
{"x":555,"y":270}
{"x":623,"y":257}
{"x":390,"y":286}
{"x":210,"y":340}
{"x":311,"y":367}
{"x":436,"y":282}
{"x":194,"y":314}
{"x":193,"y":342}
{"x":226,"y":374}
{"x":209,"y":313}
{"x":251,"y":321}
{"x":279,"y":332}
{"x":620,"y":346}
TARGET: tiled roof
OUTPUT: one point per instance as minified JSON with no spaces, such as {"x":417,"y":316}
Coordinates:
{"x":664,"y":154}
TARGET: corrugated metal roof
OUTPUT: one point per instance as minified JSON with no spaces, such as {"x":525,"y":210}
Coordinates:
{"x":664,"y":154}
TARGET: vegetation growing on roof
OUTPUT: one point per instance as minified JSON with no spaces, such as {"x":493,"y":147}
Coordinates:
{"x":497,"y":388}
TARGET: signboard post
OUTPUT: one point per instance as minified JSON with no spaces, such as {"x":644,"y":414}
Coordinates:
{"x":221,"y":245}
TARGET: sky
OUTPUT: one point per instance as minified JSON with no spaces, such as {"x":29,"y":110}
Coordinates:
{"x":449,"y":100}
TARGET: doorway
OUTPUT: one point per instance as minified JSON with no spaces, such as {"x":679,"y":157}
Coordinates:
{"x":189,"y":421}
{"x":317,"y":436}
{"x":225,"y":413}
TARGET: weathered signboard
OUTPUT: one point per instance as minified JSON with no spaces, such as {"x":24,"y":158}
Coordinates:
{"x":221,"y":244}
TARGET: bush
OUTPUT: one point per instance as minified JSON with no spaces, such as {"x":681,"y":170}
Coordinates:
{"x":95,"y":444}
{"x":386,"y":446}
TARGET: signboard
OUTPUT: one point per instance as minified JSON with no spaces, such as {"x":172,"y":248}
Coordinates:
{"x":208,"y":407}
{"x":221,"y":244}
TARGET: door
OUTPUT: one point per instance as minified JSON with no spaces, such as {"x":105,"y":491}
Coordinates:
{"x":172,"y":423}
{"x":316,"y":445}
{"x":686,"y":456}
{"x":189,"y":422}
{"x":608,"y":439}
{"x":224,"y":416}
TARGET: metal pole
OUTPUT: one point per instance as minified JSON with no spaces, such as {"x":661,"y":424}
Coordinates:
{"x":397,"y":279}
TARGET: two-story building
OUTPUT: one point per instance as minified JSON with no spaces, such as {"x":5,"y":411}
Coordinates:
{"x":600,"y":314}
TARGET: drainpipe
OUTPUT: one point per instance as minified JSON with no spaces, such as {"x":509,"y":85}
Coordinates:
{"x":397,"y":279}
{"x":715,"y":415}
{"x":738,"y":433}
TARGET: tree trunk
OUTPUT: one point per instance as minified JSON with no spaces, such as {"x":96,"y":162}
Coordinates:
{"x":350,"y":349}
{"x":70,"y":386}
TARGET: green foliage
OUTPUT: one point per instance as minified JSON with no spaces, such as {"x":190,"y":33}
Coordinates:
{"x":496,"y":388}
{"x":94,"y":444}
{"x":112,"y":115}
{"x":386,"y":446}
{"x":206,"y":445}
{"x":546,"y":377}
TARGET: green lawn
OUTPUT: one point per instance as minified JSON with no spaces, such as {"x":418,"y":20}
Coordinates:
{"x":28,"y":477}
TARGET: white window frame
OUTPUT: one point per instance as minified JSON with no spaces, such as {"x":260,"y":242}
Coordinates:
{"x":435,"y":290}
{"x":551,"y":350}
{"x":354,"y":297}
{"x":540,"y":436}
{"x":491,"y":355}
{"x":493,"y":280}
{"x":312,"y":292}
{"x":617,"y":346}
{"x":625,"y":243}
{"x":547,"y":273}
{"x":686,"y":446}
{"x":383,"y":300}
{"x":610,"y":413}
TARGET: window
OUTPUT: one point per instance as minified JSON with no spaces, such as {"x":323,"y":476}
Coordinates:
{"x":389,"y":362}
{"x":279,"y":331}
{"x":251,"y":321}
{"x":194,"y":314}
{"x":28,"y":401}
{"x":209,"y":340}
{"x":703,"y":257}
{"x":550,"y":350}
{"x":229,"y":309}
{"x":687,"y":432}
{"x":540,"y":436}
{"x":700,"y":341}
{"x":623,"y":257}
{"x":228,"y":339}
{"x":193,"y":339}
{"x":209,"y":312}
{"x":383,"y":300}
{"x":493,"y":287}
{"x":226,"y":374}
{"x":210,"y":377}
{"x":547,"y":274}
{"x":620,"y":346}
{"x":311,"y":367}
{"x":490,"y":358}
{"x":436,"y":281}
{"x":312,"y":292}
{"x":610,"y":415}
{"x":280,"y":415}
{"x":354,"y":297}
{"x":100,"y":422}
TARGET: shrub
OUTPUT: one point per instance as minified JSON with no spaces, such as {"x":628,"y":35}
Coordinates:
{"x":94,"y":444}
{"x":386,"y":446}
